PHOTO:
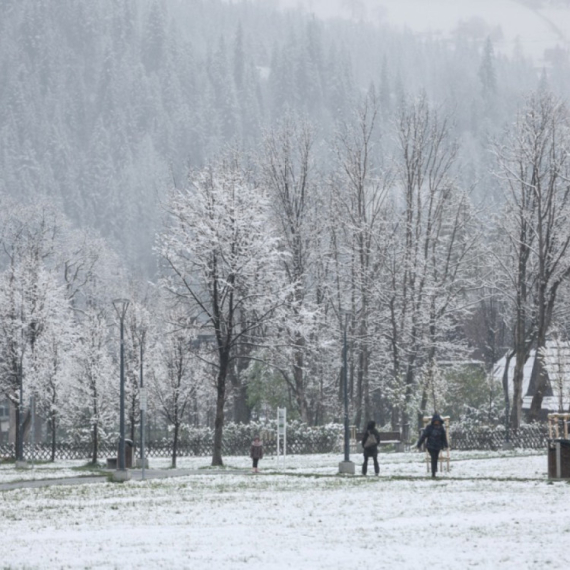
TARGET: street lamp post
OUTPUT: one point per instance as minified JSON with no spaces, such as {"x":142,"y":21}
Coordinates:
{"x":143,"y":402}
{"x":21,"y":420}
{"x":121,"y":306}
{"x":345,"y":392}
{"x":346,"y":466}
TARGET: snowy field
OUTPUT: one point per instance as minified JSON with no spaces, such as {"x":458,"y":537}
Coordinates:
{"x":493,"y":510}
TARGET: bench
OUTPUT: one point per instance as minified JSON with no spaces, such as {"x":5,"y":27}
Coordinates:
{"x":386,"y":438}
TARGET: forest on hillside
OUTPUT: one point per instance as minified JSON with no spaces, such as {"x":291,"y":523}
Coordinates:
{"x":104,"y":104}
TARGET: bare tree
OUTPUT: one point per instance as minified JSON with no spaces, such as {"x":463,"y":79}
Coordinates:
{"x":176,"y":372}
{"x":288,"y":173}
{"x":361,"y":192}
{"x":431,"y":264}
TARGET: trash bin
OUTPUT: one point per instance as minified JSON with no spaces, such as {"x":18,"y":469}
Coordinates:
{"x":559,"y":458}
{"x":129,"y":454}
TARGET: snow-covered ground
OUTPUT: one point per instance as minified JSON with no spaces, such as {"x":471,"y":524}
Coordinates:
{"x":8,"y":474}
{"x":491,"y":511}
{"x":511,"y":23}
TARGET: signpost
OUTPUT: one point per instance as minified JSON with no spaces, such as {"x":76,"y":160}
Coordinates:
{"x":281,"y":433}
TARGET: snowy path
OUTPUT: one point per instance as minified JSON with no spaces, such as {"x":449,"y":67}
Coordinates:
{"x":136,"y":475}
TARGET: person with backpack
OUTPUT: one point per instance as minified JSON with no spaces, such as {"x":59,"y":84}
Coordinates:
{"x":436,"y":439}
{"x":256,"y":452}
{"x":370,"y":441}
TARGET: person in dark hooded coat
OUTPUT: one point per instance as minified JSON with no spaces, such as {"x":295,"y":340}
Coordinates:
{"x":370,"y":441}
{"x":436,"y":439}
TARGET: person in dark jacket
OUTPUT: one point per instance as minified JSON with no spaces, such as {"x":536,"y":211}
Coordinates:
{"x":256,"y":452}
{"x":370,"y":441}
{"x":436,"y":439}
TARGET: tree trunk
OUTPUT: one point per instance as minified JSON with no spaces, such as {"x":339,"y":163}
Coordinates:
{"x":423,"y":405}
{"x":17,"y":429}
{"x":94,"y":456}
{"x":506,"y":390}
{"x":241,"y":409}
{"x":242,"y":412}
{"x":540,"y":377}
{"x":299,"y":378}
{"x":518,"y":378}
{"x":133,"y":422}
{"x":175,"y":443}
{"x":408,"y":397}
{"x":53,"y":436}
{"x":220,"y":401}
{"x":219,"y":424}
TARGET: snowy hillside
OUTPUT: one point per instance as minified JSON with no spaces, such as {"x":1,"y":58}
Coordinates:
{"x":536,"y":27}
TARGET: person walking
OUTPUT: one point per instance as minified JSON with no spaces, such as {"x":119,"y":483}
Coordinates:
{"x":436,"y":439}
{"x":370,"y":441}
{"x":256,"y":452}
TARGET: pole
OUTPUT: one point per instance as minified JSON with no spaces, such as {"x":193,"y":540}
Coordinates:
{"x":284,"y":435}
{"x":345,"y":382}
{"x":507,"y":421}
{"x":122,"y":405}
{"x":142,"y":414}
{"x":33,"y":432}
{"x":278,"y":454}
{"x":20,"y":450}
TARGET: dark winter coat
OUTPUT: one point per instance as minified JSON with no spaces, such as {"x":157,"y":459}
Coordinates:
{"x":256,"y":451}
{"x":371,"y":429}
{"x":434,"y":436}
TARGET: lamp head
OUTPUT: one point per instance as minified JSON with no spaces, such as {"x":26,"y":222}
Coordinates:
{"x":121,"y":306}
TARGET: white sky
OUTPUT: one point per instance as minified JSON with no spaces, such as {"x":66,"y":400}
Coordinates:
{"x":534,"y":30}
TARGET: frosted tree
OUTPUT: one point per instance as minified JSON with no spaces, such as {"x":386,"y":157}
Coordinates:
{"x":487,"y":71}
{"x":176,"y":372}
{"x":535,"y":170}
{"x":53,"y":366}
{"x":31,"y":300}
{"x":138,"y":331}
{"x":92,"y":409}
{"x":224,"y":93}
{"x":222,"y":259}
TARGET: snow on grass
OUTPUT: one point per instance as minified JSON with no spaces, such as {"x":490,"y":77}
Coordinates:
{"x":40,"y":471}
{"x":492,"y":511}
{"x":528,"y":464}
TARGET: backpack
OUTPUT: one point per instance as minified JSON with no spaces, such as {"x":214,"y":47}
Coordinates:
{"x":370,"y":441}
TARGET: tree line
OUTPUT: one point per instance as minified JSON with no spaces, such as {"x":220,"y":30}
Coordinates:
{"x":267,"y":256}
